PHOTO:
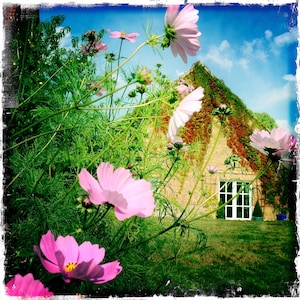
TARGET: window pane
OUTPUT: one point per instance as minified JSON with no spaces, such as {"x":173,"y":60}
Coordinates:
{"x":247,"y":188}
{"x":228,"y":212}
{"x":239,"y":212}
{"x":222,"y":186}
{"x":246,"y":212}
{"x":222,"y":198}
{"x":240,"y":200}
{"x":228,"y":198}
{"x":246,"y":200}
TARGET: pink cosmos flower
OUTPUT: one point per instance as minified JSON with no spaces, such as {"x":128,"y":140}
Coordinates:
{"x":26,"y":286}
{"x":184,"y":89}
{"x":130,"y":197}
{"x":181,"y":31}
{"x":212,"y":169}
{"x":274,"y":144}
{"x":190,"y":104}
{"x":94,"y":48}
{"x":121,"y":35}
{"x":65,"y":256}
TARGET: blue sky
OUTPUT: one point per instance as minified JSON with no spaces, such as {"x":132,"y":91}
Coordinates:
{"x":251,"y":48}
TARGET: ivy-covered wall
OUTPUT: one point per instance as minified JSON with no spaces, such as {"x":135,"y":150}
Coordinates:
{"x":238,"y":128}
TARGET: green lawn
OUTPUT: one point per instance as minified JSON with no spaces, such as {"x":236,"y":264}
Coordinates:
{"x":240,"y":258}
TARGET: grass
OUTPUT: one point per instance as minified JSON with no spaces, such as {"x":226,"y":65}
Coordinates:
{"x":240,"y":258}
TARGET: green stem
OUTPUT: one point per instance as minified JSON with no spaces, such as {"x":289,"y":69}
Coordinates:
{"x":117,"y":77}
{"x":119,"y":56}
{"x":36,"y":91}
{"x":211,"y":196}
{"x":73,"y":106}
{"x":111,"y":94}
{"x":122,"y":229}
{"x":36,"y":136}
{"x":164,"y":182}
{"x":43,"y":119}
{"x":14,"y":179}
{"x":173,"y":225}
{"x":47,"y":144}
{"x":117,"y":108}
{"x":92,"y":221}
{"x":201,"y":173}
{"x":122,"y":64}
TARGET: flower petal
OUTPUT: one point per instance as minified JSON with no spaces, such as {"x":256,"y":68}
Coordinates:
{"x":122,"y":191}
{"x":26,"y":286}
{"x":92,"y":186}
{"x":114,"y":34}
{"x":116,"y":199}
{"x":88,"y":251}
{"x":190,"y":104}
{"x":50,"y":266}
{"x":275,"y":144}
{"x":48,"y":247}
{"x":134,"y":192}
{"x":86,"y":271}
{"x":171,"y":14}
{"x":111,"y":270}
{"x":184,"y":29}
{"x":69,"y":248}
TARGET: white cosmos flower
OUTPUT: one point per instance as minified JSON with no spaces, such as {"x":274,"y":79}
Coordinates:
{"x":190,"y":104}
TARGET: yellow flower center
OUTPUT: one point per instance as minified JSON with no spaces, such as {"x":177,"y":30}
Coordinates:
{"x":70,"y":267}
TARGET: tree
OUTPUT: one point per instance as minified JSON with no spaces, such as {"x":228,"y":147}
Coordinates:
{"x":266,"y":120}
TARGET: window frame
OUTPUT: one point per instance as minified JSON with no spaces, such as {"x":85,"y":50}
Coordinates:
{"x":240,"y":208}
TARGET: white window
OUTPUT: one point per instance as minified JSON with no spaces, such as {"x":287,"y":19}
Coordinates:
{"x":240,"y":207}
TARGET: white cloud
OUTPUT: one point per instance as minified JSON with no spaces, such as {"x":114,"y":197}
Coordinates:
{"x":283,"y":40}
{"x":289,"y":77}
{"x":286,"y":38}
{"x":224,"y":45}
{"x":220,"y":55}
{"x":255,"y":50}
{"x":268,"y":34}
{"x":277,"y":96}
{"x":227,"y":57}
{"x":244,"y":63}
{"x":247,"y":48}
